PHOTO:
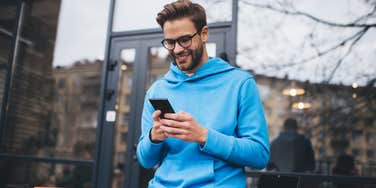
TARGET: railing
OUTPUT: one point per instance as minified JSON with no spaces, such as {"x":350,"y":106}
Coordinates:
{"x":305,"y":180}
{"x":324,"y":167}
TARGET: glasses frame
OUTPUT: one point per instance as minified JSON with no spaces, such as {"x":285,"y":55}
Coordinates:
{"x":179,"y":41}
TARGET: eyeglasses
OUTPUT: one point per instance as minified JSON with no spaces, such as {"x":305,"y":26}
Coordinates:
{"x":184,"y":41}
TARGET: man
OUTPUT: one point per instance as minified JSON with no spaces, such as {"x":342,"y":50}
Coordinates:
{"x":291,"y":151}
{"x":220,"y":127}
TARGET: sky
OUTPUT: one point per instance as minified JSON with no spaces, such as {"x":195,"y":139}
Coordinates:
{"x":267,"y":38}
{"x":81,"y":31}
{"x":82,"y":24}
{"x":264,"y":37}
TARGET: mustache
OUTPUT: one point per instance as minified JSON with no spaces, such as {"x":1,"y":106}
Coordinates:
{"x":184,"y":53}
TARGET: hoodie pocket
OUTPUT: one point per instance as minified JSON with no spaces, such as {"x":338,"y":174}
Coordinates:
{"x":186,"y":173}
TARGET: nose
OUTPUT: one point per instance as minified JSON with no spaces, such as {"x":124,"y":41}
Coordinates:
{"x":178,"y":48}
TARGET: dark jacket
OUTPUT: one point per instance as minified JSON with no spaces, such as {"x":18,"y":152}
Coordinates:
{"x":292,"y":152}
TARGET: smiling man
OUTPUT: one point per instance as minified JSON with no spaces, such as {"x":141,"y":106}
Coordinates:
{"x":220,"y":127}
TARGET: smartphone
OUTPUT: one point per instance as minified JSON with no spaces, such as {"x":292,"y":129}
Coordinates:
{"x":163,"y":105}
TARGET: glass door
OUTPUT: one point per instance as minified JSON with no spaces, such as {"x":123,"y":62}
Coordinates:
{"x":141,"y":60}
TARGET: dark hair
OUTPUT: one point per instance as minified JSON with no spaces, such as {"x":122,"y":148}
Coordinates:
{"x":290,"y":124}
{"x":181,"y":9}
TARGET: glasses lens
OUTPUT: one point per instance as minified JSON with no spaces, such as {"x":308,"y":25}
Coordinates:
{"x":185,"y":41}
{"x":169,"y":44}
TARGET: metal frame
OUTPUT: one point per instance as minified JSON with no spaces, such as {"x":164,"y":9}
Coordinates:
{"x":9,"y":68}
{"x":102,"y":165}
{"x":46,"y":159}
{"x":320,"y":178}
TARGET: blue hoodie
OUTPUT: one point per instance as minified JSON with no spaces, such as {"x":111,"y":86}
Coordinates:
{"x":223,"y":99}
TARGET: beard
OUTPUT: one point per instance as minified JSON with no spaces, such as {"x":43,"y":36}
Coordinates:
{"x":196,"y":55}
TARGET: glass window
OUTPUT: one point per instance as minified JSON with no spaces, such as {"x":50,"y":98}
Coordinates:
{"x":55,"y":85}
{"x":321,"y":80}
{"x":357,"y":137}
{"x":8,"y":22}
{"x":127,"y":59}
{"x":8,"y":19}
{"x":124,"y":137}
{"x":135,"y":15}
{"x":33,"y":174}
{"x":2,"y":82}
{"x":211,"y":48}
{"x":370,"y":139}
{"x":370,"y":154}
{"x":5,"y":48}
{"x":158,"y":64}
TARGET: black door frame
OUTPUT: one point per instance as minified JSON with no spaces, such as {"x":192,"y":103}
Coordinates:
{"x":141,"y":40}
{"x":104,"y":148}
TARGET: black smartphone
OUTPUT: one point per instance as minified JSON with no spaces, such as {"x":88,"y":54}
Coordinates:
{"x":163,"y":105}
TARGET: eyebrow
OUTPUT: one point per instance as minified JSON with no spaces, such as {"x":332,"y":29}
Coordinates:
{"x":187,"y":35}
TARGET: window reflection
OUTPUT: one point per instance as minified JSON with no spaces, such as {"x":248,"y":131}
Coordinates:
{"x":5,"y":43}
{"x":331,"y":95}
{"x":158,"y":64}
{"x":8,"y":17}
{"x":211,"y":49}
{"x":52,"y":101}
{"x":127,"y":61}
{"x":75,"y":106}
{"x":32,"y":174}
{"x":7,"y":25}
{"x":336,"y":123}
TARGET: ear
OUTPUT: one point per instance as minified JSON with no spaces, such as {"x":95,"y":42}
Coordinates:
{"x":204,"y":33}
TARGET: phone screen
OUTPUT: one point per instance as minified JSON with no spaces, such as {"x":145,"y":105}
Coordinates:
{"x":163,"y":105}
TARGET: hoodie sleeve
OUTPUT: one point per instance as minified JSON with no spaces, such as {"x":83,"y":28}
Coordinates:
{"x":148,"y":153}
{"x":250,"y":146}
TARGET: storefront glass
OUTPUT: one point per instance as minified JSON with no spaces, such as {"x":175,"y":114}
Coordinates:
{"x":54,"y":89}
{"x":311,"y":68}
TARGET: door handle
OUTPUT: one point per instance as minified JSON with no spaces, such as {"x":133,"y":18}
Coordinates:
{"x":111,"y":65}
{"x":110,"y":93}
{"x":134,"y":156}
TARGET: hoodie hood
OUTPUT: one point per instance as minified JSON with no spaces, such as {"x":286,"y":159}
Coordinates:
{"x":211,"y":67}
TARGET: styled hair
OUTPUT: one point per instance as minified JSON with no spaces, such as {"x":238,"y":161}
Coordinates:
{"x":181,"y":9}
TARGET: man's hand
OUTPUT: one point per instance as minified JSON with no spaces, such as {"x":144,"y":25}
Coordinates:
{"x":157,"y":134}
{"x":183,"y":126}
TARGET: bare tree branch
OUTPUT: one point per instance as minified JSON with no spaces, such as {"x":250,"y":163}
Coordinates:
{"x":339,"y":62}
{"x":324,"y":52}
{"x":365,"y":23}
{"x":309,"y":16}
{"x":366,"y":16}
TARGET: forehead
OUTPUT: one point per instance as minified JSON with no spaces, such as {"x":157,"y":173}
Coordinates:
{"x":175,"y":28}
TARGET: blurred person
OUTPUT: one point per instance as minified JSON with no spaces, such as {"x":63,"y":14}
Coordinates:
{"x":224,"y":56}
{"x":345,"y":165}
{"x":291,"y":151}
{"x":221,"y":128}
